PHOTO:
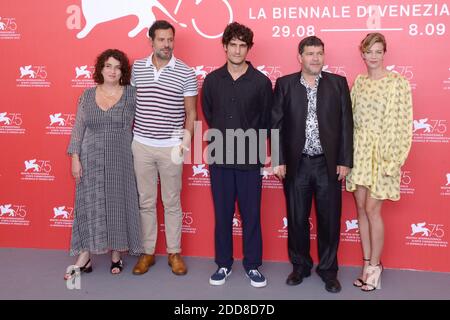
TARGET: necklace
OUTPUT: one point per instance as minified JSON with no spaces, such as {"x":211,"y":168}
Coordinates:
{"x":107,"y":100}
{"x":109,"y":96}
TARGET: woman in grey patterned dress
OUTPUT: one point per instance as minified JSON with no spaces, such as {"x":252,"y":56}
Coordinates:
{"x":106,"y":201}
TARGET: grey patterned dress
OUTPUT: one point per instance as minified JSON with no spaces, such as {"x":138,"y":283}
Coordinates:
{"x":106,"y":201}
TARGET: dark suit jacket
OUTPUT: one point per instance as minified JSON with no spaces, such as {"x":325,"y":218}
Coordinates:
{"x":334,"y":115}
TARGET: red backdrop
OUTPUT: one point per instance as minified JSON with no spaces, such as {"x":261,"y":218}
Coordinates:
{"x":47,"y":53}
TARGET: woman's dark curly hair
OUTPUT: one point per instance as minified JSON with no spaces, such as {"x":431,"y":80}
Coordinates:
{"x":237,"y":31}
{"x":125,"y":67}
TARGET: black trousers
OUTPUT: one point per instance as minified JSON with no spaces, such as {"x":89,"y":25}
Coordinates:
{"x":227,"y":184}
{"x":311,"y":181}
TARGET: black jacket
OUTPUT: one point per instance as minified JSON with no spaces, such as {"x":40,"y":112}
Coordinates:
{"x":238,"y":104}
{"x":334,"y":115}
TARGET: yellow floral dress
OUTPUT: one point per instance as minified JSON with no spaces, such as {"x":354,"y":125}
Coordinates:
{"x":382,"y":115}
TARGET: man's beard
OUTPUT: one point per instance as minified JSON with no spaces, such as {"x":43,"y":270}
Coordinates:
{"x":162,"y":56}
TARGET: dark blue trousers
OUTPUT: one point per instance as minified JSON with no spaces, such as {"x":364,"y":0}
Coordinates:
{"x":227,"y":184}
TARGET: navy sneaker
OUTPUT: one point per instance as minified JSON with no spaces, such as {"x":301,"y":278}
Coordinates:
{"x":257,"y":280}
{"x":218,"y":278}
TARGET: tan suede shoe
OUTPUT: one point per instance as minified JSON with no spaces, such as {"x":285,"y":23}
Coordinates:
{"x":176,"y":262}
{"x":144,"y":263}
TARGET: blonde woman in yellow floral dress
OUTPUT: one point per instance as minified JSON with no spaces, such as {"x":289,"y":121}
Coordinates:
{"x":382,"y":114}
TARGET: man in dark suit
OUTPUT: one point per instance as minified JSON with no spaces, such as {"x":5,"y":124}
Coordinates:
{"x":312,"y":111}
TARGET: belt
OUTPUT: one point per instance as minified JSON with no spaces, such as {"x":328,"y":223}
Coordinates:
{"x":308,"y":156}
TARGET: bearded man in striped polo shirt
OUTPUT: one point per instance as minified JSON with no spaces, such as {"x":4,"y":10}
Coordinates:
{"x":166,"y":95}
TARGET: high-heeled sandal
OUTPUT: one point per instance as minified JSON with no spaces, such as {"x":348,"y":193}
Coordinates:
{"x":374,"y":278}
{"x":117,"y":265}
{"x":360,"y":281}
{"x":85,"y":269}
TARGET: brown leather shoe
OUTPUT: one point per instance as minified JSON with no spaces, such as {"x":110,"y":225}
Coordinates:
{"x":144,"y":263}
{"x":176,"y":262}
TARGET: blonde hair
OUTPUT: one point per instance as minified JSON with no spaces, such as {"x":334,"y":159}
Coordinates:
{"x":370,"y":40}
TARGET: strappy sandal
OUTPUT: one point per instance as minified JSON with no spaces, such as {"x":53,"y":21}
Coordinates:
{"x":85,"y":269}
{"x":116,"y":265}
{"x":374,"y":278}
{"x":360,"y":281}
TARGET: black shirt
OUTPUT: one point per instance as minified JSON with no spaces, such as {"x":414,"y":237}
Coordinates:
{"x":245,"y":104}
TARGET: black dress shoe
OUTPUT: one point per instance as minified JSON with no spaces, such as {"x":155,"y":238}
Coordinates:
{"x":332,"y":285}
{"x":296,"y":277}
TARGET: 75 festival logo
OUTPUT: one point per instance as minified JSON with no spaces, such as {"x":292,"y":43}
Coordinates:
{"x":11,"y":211}
{"x":63,"y":212}
{"x":83,"y":72}
{"x":405,"y":178}
{"x":271,"y":72}
{"x":202,"y":71}
{"x":62,"y":119}
{"x":339,"y":70}
{"x":426,"y":125}
{"x":431,"y":230}
{"x":187,"y":219}
{"x":33,"y":72}
{"x":10,"y":119}
{"x":405,"y":71}
{"x":8,"y":24}
{"x":41,"y":166}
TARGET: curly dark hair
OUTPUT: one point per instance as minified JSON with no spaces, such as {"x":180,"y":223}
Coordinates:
{"x":120,"y":56}
{"x":236,"y":30}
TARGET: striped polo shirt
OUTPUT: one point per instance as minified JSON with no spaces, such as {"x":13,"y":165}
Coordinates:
{"x":160,"y":113}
